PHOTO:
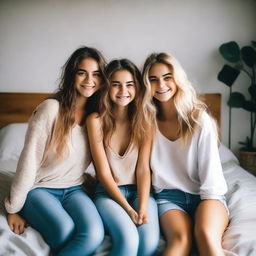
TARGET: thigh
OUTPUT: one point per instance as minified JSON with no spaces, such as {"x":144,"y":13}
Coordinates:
{"x":44,"y":212}
{"x":175,"y":223}
{"x":116,"y":220}
{"x":82,"y":211}
{"x":212,"y":217}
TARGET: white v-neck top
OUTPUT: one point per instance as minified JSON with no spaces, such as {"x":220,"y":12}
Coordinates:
{"x":194,"y":168}
{"x":123,"y":167}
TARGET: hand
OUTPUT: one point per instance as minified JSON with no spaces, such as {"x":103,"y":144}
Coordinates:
{"x":142,"y":217}
{"x":16,"y":223}
{"x":133,"y":215}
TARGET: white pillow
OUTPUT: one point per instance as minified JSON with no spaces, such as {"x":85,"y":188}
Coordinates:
{"x":226,"y":155}
{"x":12,"y":139}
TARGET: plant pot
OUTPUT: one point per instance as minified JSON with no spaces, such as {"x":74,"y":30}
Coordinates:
{"x":248,"y":161}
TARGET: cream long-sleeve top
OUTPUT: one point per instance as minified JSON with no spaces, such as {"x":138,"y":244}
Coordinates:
{"x":194,"y":168}
{"x":33,"y":172}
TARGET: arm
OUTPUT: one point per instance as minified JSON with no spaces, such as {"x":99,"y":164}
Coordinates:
{"x":143,"y":175}
{"x":213,"y":184}
{"x":94,"y":129}
{"x":36,"y":138}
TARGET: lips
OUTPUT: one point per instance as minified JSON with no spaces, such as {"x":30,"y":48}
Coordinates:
{"x":123,"y":97}
{"x":163,"y":91}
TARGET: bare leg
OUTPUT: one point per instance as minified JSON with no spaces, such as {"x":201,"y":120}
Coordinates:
{"x":211,"y":221}
{"x":177,"y":229}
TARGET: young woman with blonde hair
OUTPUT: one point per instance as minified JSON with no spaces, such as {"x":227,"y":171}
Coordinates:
{"x":120,"y":149}
{"x":187,"y":174}
{"x":46,"y":190}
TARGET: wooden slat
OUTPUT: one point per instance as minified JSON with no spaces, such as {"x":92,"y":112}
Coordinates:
{"x":17,"y":107}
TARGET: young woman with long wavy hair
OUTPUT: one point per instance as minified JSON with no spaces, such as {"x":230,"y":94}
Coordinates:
{"x":120,"y":146}
{"x":46,"y":191}
{"x":187,"y":175}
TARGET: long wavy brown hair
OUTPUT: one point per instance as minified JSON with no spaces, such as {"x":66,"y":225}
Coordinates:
{"x":67,"y":96}
{"x":136,"y":117}
{"x":189,"y":107}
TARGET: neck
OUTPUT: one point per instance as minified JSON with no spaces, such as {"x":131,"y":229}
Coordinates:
{"x":80,"y":103}
{"x":167,"y":111}
{"x":121,"y":114}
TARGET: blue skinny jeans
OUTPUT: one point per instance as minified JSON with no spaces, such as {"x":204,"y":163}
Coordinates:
{"x":66,"y":218}
{"x":127,"y":238}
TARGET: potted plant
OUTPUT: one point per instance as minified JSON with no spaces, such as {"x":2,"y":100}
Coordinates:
{"x":241,"y":60}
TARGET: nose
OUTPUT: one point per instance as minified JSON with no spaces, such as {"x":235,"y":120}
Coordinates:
{"x":123,"y":88}
{"x":161,"y":83}
{"x":88,"y":79}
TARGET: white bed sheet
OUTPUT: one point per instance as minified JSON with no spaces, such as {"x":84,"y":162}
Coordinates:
{"x":239,"y":238}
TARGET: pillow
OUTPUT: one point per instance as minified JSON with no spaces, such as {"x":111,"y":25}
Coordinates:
{"x":226,"y":155}
{"x":12,"y":139}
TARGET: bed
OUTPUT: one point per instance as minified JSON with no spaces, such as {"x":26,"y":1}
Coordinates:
{"x":15,"y":108}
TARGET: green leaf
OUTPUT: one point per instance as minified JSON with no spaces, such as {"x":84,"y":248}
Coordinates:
{"x":236,"y":100}
{"x":249,"y":106}
{"x":248,"y":56}
{"x":228,"y":75}
{"x":252,"y":91}
{"x":254,"y":43}
{"x":230,"y":51}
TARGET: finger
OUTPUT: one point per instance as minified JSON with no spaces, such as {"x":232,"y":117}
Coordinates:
{"x":11,"y":227}
{"x":16,"y":229}
{"x":140,"y":220}
{"x":21,"y":228}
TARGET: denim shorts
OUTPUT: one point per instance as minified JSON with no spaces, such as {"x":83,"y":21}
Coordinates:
{"x":174,"y":199}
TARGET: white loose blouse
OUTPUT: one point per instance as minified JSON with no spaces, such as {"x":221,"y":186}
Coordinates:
{"x":193,"y":168}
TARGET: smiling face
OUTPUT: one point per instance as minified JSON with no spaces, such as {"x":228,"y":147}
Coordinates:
{"x":162,"y":82}
{"x":88,"y":77}
{"x":122,"y":88}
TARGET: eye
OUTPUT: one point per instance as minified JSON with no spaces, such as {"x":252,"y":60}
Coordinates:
{"x":151,"y":80}
{"x":115,"y":84}
{"x":96,"y":74}
{"x":168,"y":78}
{"x":130,"y":84}
{"x":80,"y":73}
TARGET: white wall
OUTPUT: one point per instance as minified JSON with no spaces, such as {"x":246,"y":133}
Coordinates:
{"x":38,"y":36}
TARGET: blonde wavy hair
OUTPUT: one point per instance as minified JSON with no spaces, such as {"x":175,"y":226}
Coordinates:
{"x":189,"y":107}
{"x":138,"y":113}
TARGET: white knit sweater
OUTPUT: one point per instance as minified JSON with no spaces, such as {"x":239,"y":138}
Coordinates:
{"x":195,"y":168}
{"x":32,"y":172}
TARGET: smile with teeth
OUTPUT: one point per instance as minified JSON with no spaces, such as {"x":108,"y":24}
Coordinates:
{"x":87,"y":86}
{"x":163,"y":91}
{"x":123,"y":97}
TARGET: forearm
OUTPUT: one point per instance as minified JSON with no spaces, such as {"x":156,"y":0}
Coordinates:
{"x":113,"y":190}
{"x":143,"y":187}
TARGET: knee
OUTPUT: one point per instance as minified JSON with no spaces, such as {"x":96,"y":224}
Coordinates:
{"x":203,"y":235}
{"x":148,"y":245}
{"x":126,"y":244}
{"x":184,"y":239}
{"x":61,"y":234}
{"x":94,"y":237}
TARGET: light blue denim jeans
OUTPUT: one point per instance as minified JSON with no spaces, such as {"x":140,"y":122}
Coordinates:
{"x":127,"y":238}
{"x":66,"y":218}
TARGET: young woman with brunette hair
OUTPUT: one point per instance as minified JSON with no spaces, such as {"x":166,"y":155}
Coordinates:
{"x":120,"y":146}
{"x":46,"y":191}
{"x":187,"y":174}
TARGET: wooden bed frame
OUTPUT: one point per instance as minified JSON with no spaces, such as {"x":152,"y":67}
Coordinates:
{"x":17,"y":107}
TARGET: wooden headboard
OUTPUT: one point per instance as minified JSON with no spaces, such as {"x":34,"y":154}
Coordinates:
{"x":17,"y":107}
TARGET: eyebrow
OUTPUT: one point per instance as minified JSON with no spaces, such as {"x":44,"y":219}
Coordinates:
{"x":95,"y":71}
{"x":167,"y":74}
{"x":125,"y":82}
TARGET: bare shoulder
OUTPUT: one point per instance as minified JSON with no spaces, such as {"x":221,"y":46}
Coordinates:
{"x":94,"y":120}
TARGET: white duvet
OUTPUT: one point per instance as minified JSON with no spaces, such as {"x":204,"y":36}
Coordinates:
{"x":239,"y":238}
